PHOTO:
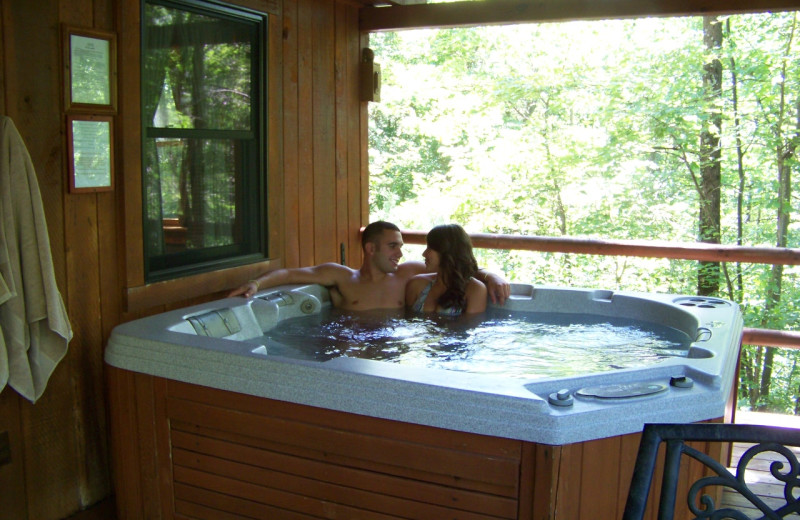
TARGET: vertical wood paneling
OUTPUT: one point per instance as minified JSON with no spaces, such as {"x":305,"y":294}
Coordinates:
{"x":323,"y":117}
{"x":85,"y":358}
{"x":275,"y":148}
{"x":600,"y":479}
{"x":128,"y":130}
{"x":628,"y":450}
{"x":291,"y":145}
{"x":342,"y":117}
{"x":60,"y":461}
{"x":49,"y":440}
{"x":355,"y":219}
{"x":12,"y":475}
{"x":569,"y":482}
{"x":305,"y":133}
{"x":5,"y":27}
{"x":364,"y":158}
{"x":124,"y":442}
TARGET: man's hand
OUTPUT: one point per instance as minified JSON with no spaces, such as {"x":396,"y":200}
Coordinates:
{"x":498,"y":288}
{"x":247,"y":290}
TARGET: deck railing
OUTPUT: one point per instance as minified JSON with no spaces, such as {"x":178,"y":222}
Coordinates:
{"x":650,"y":249}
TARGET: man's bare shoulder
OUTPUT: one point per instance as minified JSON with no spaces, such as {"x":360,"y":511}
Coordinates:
{"x":410,"y":268}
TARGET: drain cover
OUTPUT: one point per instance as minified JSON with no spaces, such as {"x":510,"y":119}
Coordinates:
{"x":622,"y":391}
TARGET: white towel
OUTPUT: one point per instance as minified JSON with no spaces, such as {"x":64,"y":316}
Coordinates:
{"x":34,"y":325}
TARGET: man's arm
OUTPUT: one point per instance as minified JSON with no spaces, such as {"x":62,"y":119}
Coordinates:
{"x":498,"y":288}
{"x":324,"y":274}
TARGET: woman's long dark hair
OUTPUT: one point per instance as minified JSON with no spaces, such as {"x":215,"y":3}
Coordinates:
{"x":456,"y":263}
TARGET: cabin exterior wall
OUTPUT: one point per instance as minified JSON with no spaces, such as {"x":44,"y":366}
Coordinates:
{"x":59,"y":447}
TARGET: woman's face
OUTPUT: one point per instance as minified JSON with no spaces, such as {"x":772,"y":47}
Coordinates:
{"x":431,"y":259}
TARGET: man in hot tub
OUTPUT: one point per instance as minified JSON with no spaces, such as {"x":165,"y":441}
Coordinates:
{"x":380,"y":282}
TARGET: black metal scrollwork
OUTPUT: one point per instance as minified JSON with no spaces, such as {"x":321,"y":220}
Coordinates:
{"x":704,"y":506}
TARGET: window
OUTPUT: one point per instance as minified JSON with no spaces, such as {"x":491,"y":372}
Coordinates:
{"x":203,"y":117}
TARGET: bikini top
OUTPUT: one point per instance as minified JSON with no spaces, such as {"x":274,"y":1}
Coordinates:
{"x":423,"y":295}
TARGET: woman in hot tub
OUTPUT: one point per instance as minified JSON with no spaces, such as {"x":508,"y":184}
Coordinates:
{"x":451,"y":288}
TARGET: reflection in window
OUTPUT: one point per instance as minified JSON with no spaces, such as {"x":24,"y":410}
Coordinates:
{"x":202,"y":98}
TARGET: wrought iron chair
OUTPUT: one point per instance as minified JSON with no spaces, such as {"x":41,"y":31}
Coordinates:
{"x":675,"y":436}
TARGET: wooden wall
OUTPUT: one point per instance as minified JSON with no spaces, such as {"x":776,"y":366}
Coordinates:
{"x":59,"y":446}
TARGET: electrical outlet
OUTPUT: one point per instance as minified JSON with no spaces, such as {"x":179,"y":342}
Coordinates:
{"x":5,"y":449}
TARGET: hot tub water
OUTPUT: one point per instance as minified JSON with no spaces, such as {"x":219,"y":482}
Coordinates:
{"x":522,"y":345}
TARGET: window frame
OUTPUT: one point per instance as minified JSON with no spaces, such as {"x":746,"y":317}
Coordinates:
{"x":141,"y":295}
{"x":253,"y":244}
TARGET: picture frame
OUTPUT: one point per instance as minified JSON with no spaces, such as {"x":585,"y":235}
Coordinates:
{"x":90,"y":75}
{"x":90,"y":139}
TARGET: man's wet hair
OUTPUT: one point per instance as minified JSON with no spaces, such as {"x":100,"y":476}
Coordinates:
{"x":373,"y":231}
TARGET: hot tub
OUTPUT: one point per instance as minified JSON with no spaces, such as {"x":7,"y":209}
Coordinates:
{"x":212,"y":359}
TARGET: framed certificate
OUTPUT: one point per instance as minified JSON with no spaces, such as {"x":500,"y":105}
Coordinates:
{"x":90,"y":60}
{"x":91,"y":153}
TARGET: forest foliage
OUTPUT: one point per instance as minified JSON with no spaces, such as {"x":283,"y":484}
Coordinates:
{"x":606,"y":129}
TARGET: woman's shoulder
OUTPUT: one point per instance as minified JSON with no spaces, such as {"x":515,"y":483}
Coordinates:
{"x":475,"y":284}
{"x":475,"y":295}
{"x":476,"y":288}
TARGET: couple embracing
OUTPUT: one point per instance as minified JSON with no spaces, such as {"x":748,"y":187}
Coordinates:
{"x":448,"y":282}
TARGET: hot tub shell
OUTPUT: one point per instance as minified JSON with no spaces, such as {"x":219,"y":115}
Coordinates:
{"x":212,"y":356}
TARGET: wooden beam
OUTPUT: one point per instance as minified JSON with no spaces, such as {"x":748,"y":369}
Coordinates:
{"x":771,"y":338}
{"x":496,"y":12}
{"x":639,"y":248}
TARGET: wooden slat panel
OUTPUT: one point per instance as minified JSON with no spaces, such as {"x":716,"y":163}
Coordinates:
{"x":128,"y":135}
{"x":479,"y":444}
{"x":12,"y":475}
{"x":357,"y":210}
{"x":277,"y":498}
{"x":569,"y":480}
{"x":161,"y":431}
{"x":146,"y":417}
{"x":305,"y":134}
{"x":194,"y":511}
{"x":323,"y":119}
{"x":124,"y":443}
{"x":5,"y":57}
{"x":356,"y":449}
{"x":51,"y":462}
{"x":256,"y":508}
{"x":538,"y":477}
{"x":291,"y":142}
{"x":363,"y":124}
{"x":194,"y":469}
{"x":600,"y":479}
{"x":628,"y":449}
{"x":85,"y":356}
{"x":344,"y":476}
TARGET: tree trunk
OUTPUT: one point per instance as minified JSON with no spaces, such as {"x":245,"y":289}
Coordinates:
{"x":709,"y":276}
{"x":785,"y":150}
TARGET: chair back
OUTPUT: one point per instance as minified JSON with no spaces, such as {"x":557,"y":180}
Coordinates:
{"x":700,"y":501}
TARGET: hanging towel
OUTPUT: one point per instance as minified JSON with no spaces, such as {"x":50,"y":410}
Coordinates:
{"x":34,"y":326}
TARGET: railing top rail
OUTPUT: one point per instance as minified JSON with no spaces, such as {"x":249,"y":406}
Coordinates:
{"x":640,"y":248}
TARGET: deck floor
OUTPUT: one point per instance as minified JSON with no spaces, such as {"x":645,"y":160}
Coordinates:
{"x":757,"y":475}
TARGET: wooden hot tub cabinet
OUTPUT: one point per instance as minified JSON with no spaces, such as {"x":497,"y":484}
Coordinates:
{"x":186,"y":451}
